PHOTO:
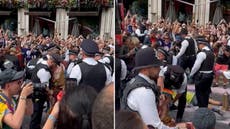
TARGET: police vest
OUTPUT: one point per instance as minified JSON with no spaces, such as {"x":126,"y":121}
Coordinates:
{"x":190,"y":51}
{"x":137,"y":82}
{"x":30,"y":67}
{"x":111,"y":65}
{"x":34,"y":77}
{"x":208,"y":63}
{"x":93,"y":75}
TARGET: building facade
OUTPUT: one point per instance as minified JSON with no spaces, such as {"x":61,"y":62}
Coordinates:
{"x":58,"y":16}
{"x":201,"y":11}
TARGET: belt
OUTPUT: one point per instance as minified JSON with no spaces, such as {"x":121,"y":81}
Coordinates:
{"x":206,"y":71}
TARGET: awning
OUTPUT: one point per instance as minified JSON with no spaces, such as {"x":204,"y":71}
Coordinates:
{"x":75,"y":30}
{"x":218,"y":15}
{"x":37,"y":28}
{"x":171,"y":13}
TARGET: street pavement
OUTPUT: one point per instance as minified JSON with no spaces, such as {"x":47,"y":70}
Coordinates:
{"x":222,"y":121}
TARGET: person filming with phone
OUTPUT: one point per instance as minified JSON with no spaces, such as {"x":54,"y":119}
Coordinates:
{"x":12,"y":110}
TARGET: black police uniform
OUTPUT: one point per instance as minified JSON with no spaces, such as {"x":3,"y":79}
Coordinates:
{"x":93,"y":75}
{"x":203,"y":81}
{"x":137,"y":82}
{"x":189,"y":57}
{"x":40,"y":96}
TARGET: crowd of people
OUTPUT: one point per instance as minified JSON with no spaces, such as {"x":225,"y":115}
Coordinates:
{"x":71,"y":78}
{"x":161,"y":58}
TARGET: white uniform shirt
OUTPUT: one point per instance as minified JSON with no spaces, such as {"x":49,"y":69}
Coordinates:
{"x":70,"y":68}
{"x":184,"y":45}
{"x":201,"y":56}
{"x":147,"y":108}
{"x":44,"y":75}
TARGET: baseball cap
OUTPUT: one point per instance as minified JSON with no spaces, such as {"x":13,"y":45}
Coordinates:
{"x":9,"y":75}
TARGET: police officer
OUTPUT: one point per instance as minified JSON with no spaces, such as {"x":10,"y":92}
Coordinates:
{"x":141,"y":93}
{"x":41,"y":78}
{"x":202,"y":72}
{"x":89,"y":71}
{"x":174,"y":78}
{"x":120,"y":75}
{"x":165,"y":57}
{"x":73,"y":60}
{"x":187,"y":53}
{"x":108,"y":59}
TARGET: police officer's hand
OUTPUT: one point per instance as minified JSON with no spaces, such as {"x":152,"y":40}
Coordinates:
{"x":27,"y":90}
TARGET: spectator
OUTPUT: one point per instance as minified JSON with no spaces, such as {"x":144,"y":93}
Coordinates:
{"x":128,"y":120}
{"x":103,"y":109}
{"x":11,"y":82}
{"x":74,"y":110}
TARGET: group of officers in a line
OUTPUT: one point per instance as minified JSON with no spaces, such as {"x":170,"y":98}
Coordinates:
{"x":94,"y":68}
{"x":157,"y":77}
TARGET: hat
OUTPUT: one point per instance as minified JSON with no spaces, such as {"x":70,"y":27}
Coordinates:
{"x":89,"y":47}
{"x":163,"y":51}
{"x":202,"y":41}
{"x":146,"y":58}
{"x":10,"y":75}
{"x":184,"y":31}
{"x":204,"y":118}
{"x":107,"y":48}
{"x":73,"y":52}
{"x":56,"y":58}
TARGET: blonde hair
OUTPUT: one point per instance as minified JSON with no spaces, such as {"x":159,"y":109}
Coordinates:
{"x":135,"y":41}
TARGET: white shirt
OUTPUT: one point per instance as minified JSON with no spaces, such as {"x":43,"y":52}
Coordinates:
{"x":106,"y":58}
{"x":138,"y":32}
{"x":201,"y":56}
{"x":76,"y":71}
{"x":123,"y":70}
{"x":44,"y":75}
{"x":184,"y":45}
{"x":69,"y":69}
{"x":147,"y":108}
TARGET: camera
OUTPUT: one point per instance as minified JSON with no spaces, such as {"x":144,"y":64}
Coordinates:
{"x":39,"y":90}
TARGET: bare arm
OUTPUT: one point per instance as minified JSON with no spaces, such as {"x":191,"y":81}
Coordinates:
{"x":15,"y":120}
{"x":50,"y":122}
